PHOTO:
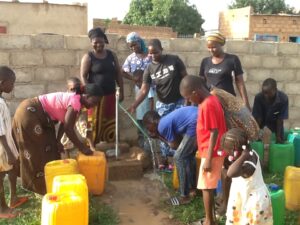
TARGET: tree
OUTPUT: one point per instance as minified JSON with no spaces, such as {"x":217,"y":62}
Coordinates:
{"x":264,"y":6}
{"x":178,"y":14}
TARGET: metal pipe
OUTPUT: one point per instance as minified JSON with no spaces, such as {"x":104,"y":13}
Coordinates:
{"x":117,"y":122}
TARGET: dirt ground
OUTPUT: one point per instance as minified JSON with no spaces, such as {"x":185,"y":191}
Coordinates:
{"x":137,"y":201}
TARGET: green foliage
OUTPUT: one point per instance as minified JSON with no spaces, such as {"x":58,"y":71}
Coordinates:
{"x":101,"y":214}
{"x":178,"y":14}
{"x":265,"y":6}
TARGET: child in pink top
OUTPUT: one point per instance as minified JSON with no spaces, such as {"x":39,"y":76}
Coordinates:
{"x":56,"y":104}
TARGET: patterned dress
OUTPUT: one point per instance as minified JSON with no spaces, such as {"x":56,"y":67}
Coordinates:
{"x":249,"y":200}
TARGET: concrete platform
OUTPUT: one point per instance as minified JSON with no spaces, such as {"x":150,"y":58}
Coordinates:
{"x":124,"y":170}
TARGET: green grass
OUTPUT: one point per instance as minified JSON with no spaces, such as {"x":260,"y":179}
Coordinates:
{"x":195,"y":211}
{"x":186,"y":214}
{"x":99,"y":212}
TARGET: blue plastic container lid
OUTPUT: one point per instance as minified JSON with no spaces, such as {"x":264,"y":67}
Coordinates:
{"x":273,"y":187}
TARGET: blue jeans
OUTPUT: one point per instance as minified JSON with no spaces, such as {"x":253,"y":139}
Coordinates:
{"x":164,"y":109}
{"x":186,"y":164}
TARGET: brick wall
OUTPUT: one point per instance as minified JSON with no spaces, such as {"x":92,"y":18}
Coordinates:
{"x":34,"y":18}
{"x":243,"y":24}
{"x":282,"y":25}
{"x":144,"y":31}
{"x":43,"y":62}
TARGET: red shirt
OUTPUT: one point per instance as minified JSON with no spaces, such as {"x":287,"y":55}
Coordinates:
{"x":210,"y":116}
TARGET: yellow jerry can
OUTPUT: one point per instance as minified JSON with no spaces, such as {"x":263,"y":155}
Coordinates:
{"x":63,"y":209}
{"x":93,"y":168}
{"x":59,"y":167}
{"x":291,"y":187}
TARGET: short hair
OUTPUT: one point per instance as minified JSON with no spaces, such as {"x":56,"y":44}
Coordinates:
{"x":270,"y":82}
{"x":97,"y":32}
{"x":155,"y":43}
{"x":6,"y":73}
{"x":74,"y":80}
{"x":191,"y":83}
{"x":235,"y":136}
{"x":151,"y":117}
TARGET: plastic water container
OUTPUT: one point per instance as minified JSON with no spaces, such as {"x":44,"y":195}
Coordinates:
{"x":63,"y":209}
{"x":258,"y":146}
{"x":219,"y":189}
{"x":295,"y":130}
{"x":295,"y":139}
{"x":281,"y":156}
{"x":72,"y":183}
{"x":93,"y":168}
{"x":59,"y":167}
{"x":291,"y":137}
{"x":292,"y":187}
{"x":175,"y":179}
{"x":286,"y":132}
{"x":278,"y":203}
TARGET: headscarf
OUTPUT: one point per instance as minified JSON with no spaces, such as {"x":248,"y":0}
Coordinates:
{"x":217,"y":37}
{"x":93,"y":90}
{"x":134,"y":37}
{"x":97,"y":32}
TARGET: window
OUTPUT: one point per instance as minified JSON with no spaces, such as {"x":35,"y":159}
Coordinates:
{"x":295,"y":39}
{"x":266,"y":37}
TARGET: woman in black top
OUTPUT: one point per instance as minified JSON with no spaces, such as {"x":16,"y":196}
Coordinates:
{"x":219,"y":68}
{"x":101,"y":66}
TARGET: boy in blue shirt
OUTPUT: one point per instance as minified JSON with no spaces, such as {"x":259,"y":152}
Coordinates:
{"x":178,"y":130}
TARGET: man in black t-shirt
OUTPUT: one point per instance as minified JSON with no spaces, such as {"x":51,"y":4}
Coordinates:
{"x":166,"y":73}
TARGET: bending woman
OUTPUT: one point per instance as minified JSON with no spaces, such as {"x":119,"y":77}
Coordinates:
{"x":101,"y":66}
{"x":35,"y":136}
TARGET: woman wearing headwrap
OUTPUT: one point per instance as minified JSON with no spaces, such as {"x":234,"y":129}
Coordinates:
{"x":218,"y":69}
{"x":34,"y":131}
{"x":101,"y":66}
{"x":133,"y":69}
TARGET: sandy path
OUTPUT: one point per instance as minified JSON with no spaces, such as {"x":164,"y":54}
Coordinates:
{"x":136,"y":201}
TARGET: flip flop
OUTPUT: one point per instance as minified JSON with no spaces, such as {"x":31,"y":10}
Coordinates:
{"x":21,"y":200}
{"x":200,"y":222}
{"x":176,"y":201}
{"x":8,"y":215}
